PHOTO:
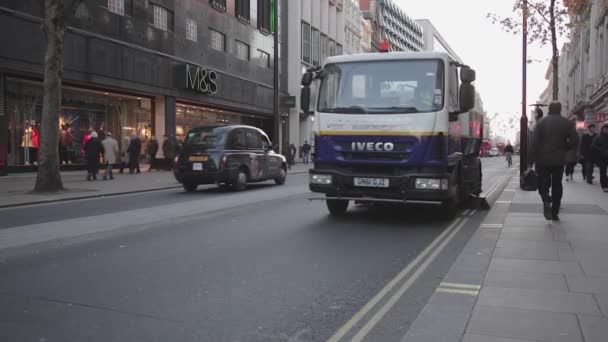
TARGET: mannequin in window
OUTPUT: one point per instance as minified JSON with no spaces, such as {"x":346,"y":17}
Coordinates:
{"x":65,"y":142}
{"x":27,"y":144}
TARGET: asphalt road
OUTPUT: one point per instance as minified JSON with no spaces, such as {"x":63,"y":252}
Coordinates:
{"x":270,"y":266}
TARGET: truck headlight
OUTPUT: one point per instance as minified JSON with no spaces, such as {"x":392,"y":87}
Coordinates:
{"x":431,"y":183}
{"x":321,"y":179}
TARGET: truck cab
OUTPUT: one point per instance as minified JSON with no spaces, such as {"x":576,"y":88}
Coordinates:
{"x":394,"y":127}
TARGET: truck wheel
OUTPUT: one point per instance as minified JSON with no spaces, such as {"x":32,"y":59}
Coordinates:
{"x":189,"y":187}
{"x":448,"y":210}
{"x":337,"y":207}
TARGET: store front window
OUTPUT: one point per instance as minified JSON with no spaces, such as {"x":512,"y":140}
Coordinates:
{"x":189,"y":116}
{"x":82,"y":112}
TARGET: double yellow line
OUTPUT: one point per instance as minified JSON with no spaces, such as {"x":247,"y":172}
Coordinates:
{"x":414,"y":270}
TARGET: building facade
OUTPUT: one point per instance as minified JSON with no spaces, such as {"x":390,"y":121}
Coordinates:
{"x":353,"y":27}
{"x":151,"y":67}
{"x":316,"y":32}
{"x":389,"y":22}
{"x":583,"y":65}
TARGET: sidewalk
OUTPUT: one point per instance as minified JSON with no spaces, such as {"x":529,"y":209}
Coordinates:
{"x":15,"y":189}
{"x":522,"y":279}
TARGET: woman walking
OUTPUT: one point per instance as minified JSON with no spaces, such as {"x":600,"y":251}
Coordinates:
{"x":571,"y":161}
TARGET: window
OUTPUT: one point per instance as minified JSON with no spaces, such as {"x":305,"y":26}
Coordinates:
{"x":332,"y":48}
{"x":264,"y":15}
{"x":218,"y":40}
{"x":242,"y":51}
{"x":306,"y":46}
{"x":324,"y":47}
{"x":253,"y":139}
{"x":237,"y":140}
{"x":116,"y":6}
{"x":242,"y":9}
{"x":316,"y":47}
{"x":338,"y":49}
{"x":218,"y":4}
{"x":163,"y":18}
{"x":264,"y":59}
{"x":191,"y":30}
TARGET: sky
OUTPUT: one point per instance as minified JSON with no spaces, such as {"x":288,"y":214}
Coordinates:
{"x":494,"y":54}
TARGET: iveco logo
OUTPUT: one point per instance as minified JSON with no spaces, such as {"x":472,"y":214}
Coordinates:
{"x":371,"y":146}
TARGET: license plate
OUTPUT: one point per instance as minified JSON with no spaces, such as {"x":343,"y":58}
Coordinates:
{"x":371,"y":182}
{"x":197,"y":166}
{"x":199,"y":158}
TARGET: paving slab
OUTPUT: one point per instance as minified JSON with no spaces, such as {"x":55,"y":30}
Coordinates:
{"x":439,"y":323}
{"x":516,"y":252}
{"x":524,"y":324}
{"x":486,"y":338}
{"x":542,"y":300}
{"x":595,"y":329}
{"x":540,"y":266}
{"x":588,"y":284}
{"x":526,"y":280}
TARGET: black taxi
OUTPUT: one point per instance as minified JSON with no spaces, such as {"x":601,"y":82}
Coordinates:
{"x":230,"y":156}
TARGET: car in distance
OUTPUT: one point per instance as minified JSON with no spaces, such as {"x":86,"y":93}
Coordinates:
{"x":230,"y":156}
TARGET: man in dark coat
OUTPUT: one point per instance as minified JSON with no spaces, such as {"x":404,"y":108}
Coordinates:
{"x":134,"y":150}
{"x":152,"y":149}
{"x":553,"y":137}
{"x":600,"y":147}
{"x":587,"y":154}
{"x":93,"y":151}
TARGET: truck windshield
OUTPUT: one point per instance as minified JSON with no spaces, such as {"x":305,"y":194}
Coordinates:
{"x":402,"y":86}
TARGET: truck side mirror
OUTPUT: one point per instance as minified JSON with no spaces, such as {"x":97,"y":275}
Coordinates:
{"x":467,"y":97}
{"x":305,"y":99}
{"x":307,"y":79}
{"x":467,"y":75}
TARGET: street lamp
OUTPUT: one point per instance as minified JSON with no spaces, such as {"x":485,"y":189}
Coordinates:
{"x":523,"y":124}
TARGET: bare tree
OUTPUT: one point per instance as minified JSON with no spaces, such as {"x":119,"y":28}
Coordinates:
{"x":546,"y":20}
{"x":55,"y":20}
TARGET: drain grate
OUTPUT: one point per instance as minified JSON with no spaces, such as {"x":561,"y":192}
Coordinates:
{"x":567,"y":208}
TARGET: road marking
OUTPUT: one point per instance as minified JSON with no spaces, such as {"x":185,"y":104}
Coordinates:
{"x":408,"y":283}
{"x":503,"y":202}
{"x":460,"y":285}
{"x":466,"y":212}
{"x":370,"y":305}
{"x":491,"y":225}
{"x":509,"y":190}
{"x":467,"y":292}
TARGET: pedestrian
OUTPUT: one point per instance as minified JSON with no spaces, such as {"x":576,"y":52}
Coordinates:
{"x":553,"y":136}
{"x":152,"y":150}
{"x":93,"y":150}
{"x":170,"y":146}
{"x":293,"y":151}
{"x":306,"y":152}
{"x":571,"y":161}
{"x":134,"y":150}
{"x":110,"y":154}
{"x":509,"y":150}
{"x":600,"y":146}
{"x":587,"y":154}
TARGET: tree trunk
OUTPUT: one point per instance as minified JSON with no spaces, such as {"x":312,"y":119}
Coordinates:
{"x":555,"y":52}
{"x":49,"y":177}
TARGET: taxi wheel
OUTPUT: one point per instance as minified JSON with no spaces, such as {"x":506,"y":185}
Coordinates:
{"x":280,"y":180}
{"x":240,"y":181}
{"x":337,"y":207}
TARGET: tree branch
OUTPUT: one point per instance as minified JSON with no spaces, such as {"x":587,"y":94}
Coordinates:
{"x":542,"y":15}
